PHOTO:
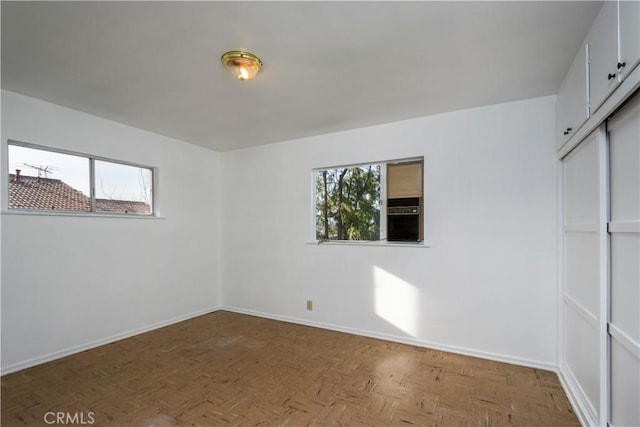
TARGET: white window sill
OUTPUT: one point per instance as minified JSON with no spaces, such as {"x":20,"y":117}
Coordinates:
{"x":379,"y":243}
{"x":77,"y":214}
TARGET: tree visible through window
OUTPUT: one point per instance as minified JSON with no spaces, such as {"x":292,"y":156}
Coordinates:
{"x":348,"y":203}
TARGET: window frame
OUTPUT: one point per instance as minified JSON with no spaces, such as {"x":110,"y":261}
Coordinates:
{"x":383,"y":204}
{"x":91,"y":171}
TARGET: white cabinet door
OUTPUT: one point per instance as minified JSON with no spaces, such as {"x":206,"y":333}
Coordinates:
{"x":582,"y":268}
{"x":572,"y":108}
{"x":624,"y":229}
{"x":603,"y":55}
{"x":629,"y":35}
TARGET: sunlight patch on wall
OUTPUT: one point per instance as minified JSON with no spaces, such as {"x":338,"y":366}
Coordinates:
{"x":396,"y":301}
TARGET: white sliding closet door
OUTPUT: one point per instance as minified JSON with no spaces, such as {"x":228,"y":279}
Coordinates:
{"x":582,"y":270}
{"x":624,"y":229}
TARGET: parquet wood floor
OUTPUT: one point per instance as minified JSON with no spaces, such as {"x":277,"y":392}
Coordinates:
{"x":231,"y":369}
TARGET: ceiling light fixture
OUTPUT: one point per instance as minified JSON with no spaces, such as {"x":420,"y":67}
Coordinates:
{"x":243,"y":65}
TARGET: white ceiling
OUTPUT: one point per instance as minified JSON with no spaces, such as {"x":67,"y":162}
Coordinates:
{"x":328,"y":66}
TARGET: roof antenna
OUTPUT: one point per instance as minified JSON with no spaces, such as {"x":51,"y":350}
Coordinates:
{"x":41,"y":170}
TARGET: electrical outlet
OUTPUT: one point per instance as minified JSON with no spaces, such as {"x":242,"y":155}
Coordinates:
{"x":309,"y":305}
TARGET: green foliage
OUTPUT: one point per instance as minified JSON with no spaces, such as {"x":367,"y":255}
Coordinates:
{"x":348,"y":203}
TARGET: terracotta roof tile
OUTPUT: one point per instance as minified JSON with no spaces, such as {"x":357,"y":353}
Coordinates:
{"x":31,"y":192}
{"x":122,"y":206}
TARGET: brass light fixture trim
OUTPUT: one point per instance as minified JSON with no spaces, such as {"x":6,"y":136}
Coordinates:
{"x":243,"y":65}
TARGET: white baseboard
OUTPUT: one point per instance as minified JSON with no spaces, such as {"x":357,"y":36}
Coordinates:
{"x":399,"y":339}
{"x":92,"y":344}
{"x":585,"y":412}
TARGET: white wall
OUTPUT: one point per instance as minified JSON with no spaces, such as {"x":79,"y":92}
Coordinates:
{"x":486,"y":286}
{"x":72,"y":282}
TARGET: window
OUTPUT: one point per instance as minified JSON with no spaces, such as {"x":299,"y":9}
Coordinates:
{"x":348,"y":203}
{"x":122,"y":188}
{"x":350,"y":200}
{"x":42,"y":179}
